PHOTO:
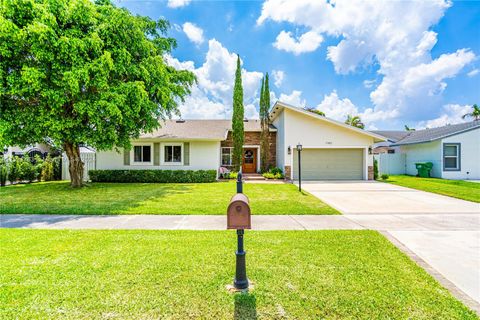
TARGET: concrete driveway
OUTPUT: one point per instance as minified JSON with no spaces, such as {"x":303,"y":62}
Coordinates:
{"x":371,"y":197}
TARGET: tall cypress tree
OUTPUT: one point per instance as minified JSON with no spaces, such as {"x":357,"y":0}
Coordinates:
{"x":264,"y":136}
{"x":237,"y":119}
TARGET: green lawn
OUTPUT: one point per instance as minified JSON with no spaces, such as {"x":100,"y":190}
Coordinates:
{"x":453,"y":188}
{"x":182,"y":275}
{"x":151,"y":198}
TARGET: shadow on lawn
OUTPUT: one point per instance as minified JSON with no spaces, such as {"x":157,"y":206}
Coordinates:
{"x":95,"y":198}
{"x":245,"y":307}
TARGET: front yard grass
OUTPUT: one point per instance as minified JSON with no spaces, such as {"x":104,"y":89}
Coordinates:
{"x":454,"y":188}
{"x":64,"y":274}
{"x":155,"y":198}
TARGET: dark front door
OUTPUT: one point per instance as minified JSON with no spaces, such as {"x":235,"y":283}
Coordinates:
{"x":249,"y":163}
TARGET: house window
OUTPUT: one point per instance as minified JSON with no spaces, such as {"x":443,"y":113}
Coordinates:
{"x":451,"y":156}
{"x":142,"y":154}
{"x":172,"y":154}
{"x":227,"y":156}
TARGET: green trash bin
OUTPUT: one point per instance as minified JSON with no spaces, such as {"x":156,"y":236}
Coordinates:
{"x":424,"y":169}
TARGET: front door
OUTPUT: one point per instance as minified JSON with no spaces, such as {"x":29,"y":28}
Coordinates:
{"x":249,"y":163}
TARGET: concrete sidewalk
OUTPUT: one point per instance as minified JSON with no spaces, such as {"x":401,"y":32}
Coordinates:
{"x":393,"y":222}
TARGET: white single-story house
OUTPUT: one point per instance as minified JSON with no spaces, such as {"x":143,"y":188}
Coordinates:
{"x":454,"y":150}
{"x":331,"y":150}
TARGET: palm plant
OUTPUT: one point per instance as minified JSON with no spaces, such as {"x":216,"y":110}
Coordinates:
{"x":475,"y":114}
{"x":320,"y":113}
{"x":355,"y":121}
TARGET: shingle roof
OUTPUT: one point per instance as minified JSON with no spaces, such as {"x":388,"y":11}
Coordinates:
{"x":392,"y":135}
{"x":199,"y":129}
{"x":427,"y":135}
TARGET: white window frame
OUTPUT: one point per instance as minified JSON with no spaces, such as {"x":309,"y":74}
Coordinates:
{"x":162,"y":153}
{"x":132,"y":154}
{"x":221,"y":156}
{"x":457,"y":156}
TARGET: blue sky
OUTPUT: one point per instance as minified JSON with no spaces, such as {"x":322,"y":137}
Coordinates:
{"x":393,"y":63}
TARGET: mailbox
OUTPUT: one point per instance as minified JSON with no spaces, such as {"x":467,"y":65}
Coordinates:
{"x":238,"y":212}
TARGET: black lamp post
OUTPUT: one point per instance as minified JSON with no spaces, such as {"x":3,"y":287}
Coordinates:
{"x":299,"y":149}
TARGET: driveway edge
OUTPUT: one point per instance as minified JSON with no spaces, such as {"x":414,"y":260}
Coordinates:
{"x":450,"y":286}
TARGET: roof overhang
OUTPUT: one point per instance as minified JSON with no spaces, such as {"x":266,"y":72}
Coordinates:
{"x":279,"y":106}
{"x":435,"y":139}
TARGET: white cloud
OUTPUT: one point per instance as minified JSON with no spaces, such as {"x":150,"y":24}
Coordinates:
{"x":212,"y":97}
{"x":294,"y":99}
{"x":178,"y":3}
{"x":473,"y":73}
{"x":194,"y":33}
{"x":307,"y":42}
{"x":278,"y":76}
{"x":369,"y":83}
{"x":377,"y":33}
{"x":452,"y":114}
{"x":337,"y":108}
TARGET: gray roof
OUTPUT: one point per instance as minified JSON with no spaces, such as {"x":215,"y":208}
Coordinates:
{"x":392,"y":135}
{"x":199,"y":129}
{"x":427,"y":135}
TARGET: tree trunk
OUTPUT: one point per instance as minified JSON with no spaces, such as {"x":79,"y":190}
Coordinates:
{"x":75,"y":164}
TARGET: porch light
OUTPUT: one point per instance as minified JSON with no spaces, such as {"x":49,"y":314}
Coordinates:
{"x":289,"y":150}
{"x":299,"y":149}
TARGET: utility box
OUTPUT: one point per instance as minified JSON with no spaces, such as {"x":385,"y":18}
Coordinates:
{"x":238,"y":213}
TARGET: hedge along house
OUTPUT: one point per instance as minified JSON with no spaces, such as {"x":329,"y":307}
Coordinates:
{"x":190,"y":145}
{"x":332,"y":150}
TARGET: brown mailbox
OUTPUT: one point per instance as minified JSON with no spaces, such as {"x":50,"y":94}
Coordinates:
{"x":238,"y":212}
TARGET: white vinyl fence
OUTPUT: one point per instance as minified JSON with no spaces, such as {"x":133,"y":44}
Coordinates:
{"x":89,"y":163}
{"x":391,"y":163}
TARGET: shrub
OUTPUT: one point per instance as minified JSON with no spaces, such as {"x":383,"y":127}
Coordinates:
{"x":13,"y":169}
{"x":384,"y":176}
{"x":153,"y":176}
{"x":3,"y":173}
{"x":47,"y":169}
{"x":26,"y":170}
{"x":230,"y":175}
{"x":274,"y":173}
{"x":375,"y":169}
{"x":57,"y":168}
{"x":276,"y":170}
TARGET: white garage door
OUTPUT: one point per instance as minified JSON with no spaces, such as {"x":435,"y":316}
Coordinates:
{"x":329,"y":164}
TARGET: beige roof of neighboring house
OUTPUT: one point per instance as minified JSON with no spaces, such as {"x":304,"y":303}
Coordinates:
{"x":199,"y":129}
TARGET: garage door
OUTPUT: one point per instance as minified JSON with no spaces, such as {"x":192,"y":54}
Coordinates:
{"x":330,"y":164}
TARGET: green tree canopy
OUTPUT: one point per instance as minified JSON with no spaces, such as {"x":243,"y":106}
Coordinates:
{"x":475,"y":114}
{"x":82,"y":72}
{"x":355,"y":121}
{"x":237,"y":118}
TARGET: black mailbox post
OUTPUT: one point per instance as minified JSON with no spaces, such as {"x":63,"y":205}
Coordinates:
{"x":239,"y":218}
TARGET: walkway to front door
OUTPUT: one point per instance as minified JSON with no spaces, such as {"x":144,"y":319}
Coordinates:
{"x":249,"y":160}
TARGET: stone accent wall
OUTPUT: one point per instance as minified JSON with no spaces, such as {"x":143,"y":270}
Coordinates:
{"x":370,"y":173}
{"x":288,"y":172}
{"x":253,"y":138}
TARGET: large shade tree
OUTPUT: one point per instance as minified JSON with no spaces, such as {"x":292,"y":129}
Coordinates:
{"x":81,"y":72}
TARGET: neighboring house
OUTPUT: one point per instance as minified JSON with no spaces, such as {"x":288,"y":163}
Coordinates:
{"x":392,"y":137}
{"x":38,"y":149}
{"x":454,"y":150}
{"x":331,"y":149}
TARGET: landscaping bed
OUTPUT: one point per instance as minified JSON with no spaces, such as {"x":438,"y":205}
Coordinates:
{"x":454,"y":188}
{"x":155,"y":198}
{"x":58,"y":274}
